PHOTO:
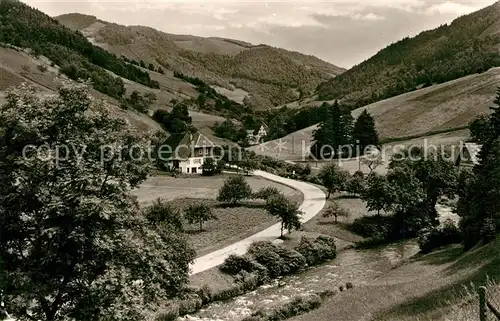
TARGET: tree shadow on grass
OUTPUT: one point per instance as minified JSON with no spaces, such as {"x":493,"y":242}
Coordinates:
{"x":442,"y":256}
{"x":240,"y":205}
{"x":328,"y":223}
{"x":348,"y":196}
{"x":478,"y":265}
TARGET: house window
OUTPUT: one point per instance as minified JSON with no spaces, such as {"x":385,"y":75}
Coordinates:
{"x":187,"y":170}
{"x":196,"y":161}
{"x":193,"y":170}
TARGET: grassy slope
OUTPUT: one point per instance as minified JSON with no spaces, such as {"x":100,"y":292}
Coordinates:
{"x":218,"y":61}
{"x":426,"y":288}
{"x":449,"y":105}
{"x":12,"y":63}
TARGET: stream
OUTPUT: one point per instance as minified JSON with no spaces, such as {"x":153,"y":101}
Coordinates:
{"x":356,"y":266}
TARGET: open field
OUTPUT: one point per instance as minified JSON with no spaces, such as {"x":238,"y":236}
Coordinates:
{"x":232,"y":224}
{"x":444,"y":106}
{"x":199,"y":187}
{"x":236,"y":94}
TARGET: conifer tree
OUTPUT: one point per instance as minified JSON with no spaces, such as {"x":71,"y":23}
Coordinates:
{"x":334,"y":131}
{"x":365,"y":133}
{"x":479,"y":202}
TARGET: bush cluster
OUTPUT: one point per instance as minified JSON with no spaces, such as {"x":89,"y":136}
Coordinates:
{"x":198,"y":298}
{"x":277,"y":260}
{"x":266,"y":192}
{"x":297,"y":306}
{"x":320,"y":250}
{"x":440,"y":236}
{"x":271,"y":261}
{"x":372,"y":226}
{"x":234,"y":264}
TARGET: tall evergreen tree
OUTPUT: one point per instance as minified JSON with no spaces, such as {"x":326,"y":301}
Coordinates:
{"x":365,"y":133}
{"x":479,"y":204}
{"x":334,"y":131}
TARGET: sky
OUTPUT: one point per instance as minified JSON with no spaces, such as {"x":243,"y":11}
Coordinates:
{"x":341,"y":32}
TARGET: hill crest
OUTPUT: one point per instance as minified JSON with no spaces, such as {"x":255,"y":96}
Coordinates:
{"x":272,"y":76}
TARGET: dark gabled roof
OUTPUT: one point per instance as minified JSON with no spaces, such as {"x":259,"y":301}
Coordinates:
{"x":182,"y":145}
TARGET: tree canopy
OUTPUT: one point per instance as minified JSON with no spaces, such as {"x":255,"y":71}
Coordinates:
{"x":364,"y":133}
{"x":72,"y":239}
{"x":479,"y":193}
{"x":333,"y":178}
{"x":334,"y":132}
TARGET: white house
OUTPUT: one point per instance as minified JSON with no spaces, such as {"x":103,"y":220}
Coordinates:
{"x":256,"y":135}
{"x":186,"y":152}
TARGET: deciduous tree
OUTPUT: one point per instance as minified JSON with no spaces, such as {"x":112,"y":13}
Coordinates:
{"x":73,"y":242}
{"x":199,"y":213}
{"x":378,"y":193}
{"x":333,"y":178}
{"x":287,"y":211}
{"x":234,"y":190}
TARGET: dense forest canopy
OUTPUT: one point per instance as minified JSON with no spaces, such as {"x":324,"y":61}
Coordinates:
{"x":26,"y":27}
{"x":468,"y":45}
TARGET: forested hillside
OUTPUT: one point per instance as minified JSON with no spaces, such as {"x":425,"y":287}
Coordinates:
{"x":271,"y":76}
{"x":468,"y":45}
{"x":26,"y":27}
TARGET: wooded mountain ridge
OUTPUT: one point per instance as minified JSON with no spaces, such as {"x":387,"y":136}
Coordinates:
{"x":271,"y":76}
{"x":468,"y":45}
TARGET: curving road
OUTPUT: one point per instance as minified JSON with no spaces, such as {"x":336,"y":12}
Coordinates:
{"x":314,"y":201}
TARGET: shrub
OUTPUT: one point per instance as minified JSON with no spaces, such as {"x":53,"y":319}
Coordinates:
{"x":190,"y":305}
{"x":248,"y":283}
{"x":25,"y":68}
{"x":277,"y":260}
{"x":318,"y":251}
{"x":234,"y":190}
{"x":440,"y":236}
{"x":209,"y":167}
{"x":234,"y":264}
{"x":199,"y":213}
{"x":265,"y":253}
{"x":164,"y":212}
{"x":170,"y":315}
{"x":266,"y":192}
{"x":297,"y":306}
{"x":205,"y":294}
{"x":42,"y":68}
{"x":306,"y":171}
{"x":372,"y":226}
{"x":336,"y":211}
{"x":315,"y":180}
